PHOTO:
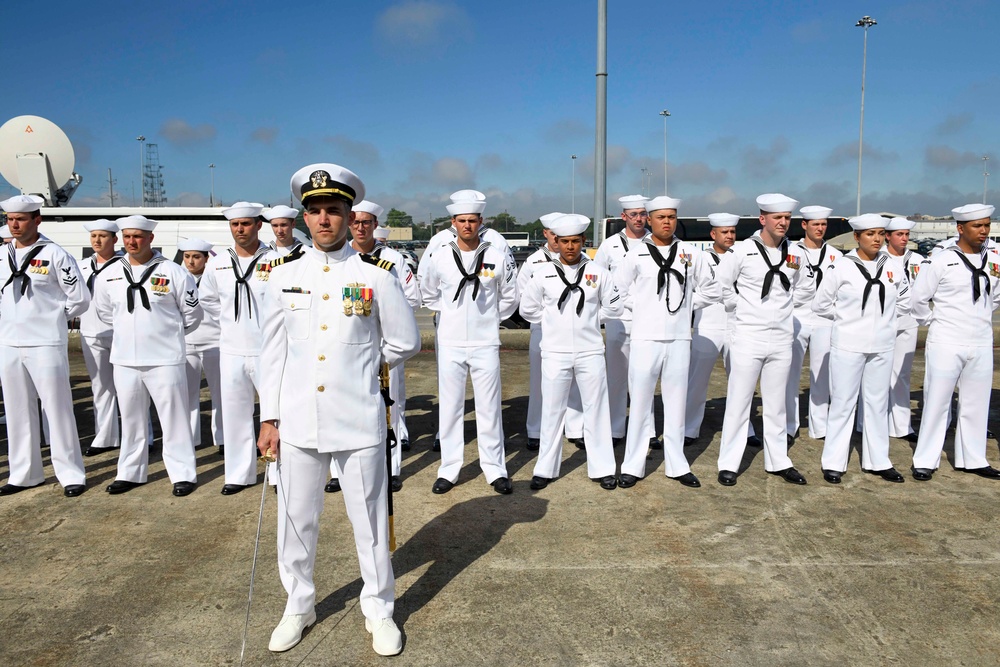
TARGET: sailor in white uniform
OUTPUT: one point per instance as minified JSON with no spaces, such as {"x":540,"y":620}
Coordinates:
{"x":40,"y":288}
{"x":569,"y":297}
{"x":906,"y":263}
{"x":611,"y":252}
{"x":757,"y":287}
{"x":95,"y":339}
{"x":151,"y":302}
{"x":951,"y":242}
{"x":662,"y":280}
{"x":812,"y":332}
{"x":368,"y":238}
{"x":5,"y":238}
{"x":574,"y":419}
{"x":472,"y":286}
{"x":331,"y":318}
{"x":862,"y":294}
{"x":233,"y":285}
{"x":964,"y":284}
{"x":709,"y":336}
{"x":202,"y":346}
{"x":282,"y":221}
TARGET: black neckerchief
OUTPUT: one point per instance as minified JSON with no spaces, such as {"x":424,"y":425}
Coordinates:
{"x":666,"y":269}
{"x":817,"y":268}
{"x":715,"y":257}
{"x":976,"y":273}
{"x":94,"y":271}
{"x":139,"y":286}
{"x":571,"y":287}
{"x":872,"y":282}
{"x":21,"y":273}
{"x":241,"y":280}
{"x":477,"y":264}
{"x":773,"y":269}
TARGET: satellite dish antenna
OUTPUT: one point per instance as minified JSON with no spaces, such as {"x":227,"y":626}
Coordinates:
{"x":37,"y":157}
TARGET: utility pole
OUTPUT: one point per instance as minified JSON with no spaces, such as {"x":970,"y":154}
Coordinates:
{"x":111,"y":188}
{"x":142,"y":168}
{"x":865,"y":22}
{"x":986,"y":175}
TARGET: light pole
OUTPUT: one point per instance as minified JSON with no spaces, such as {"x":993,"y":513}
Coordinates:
{"x":211,"y":197}
{"x":142,"y":166}
{"x":986,"y":175}
{"x":865,"y":22}
{"x":665,"y":114}
{"x":573,"y":187}
{"x":642,"y":188}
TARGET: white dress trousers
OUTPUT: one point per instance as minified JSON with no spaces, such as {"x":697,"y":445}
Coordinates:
{"x":97,"y":358}
{"x":560,"y":371}
{"x":574,"y":418}
{"x":239,"y":375}
{"x":362,"y":474}
{"x":706,"y":346}
{"x":166,"y":386}
{"x":455,"y":364}
{"x":854,"y":373}
{"x":814,"y":336}
{"x":616,"y":355}
{"x":900,"y":423}
{"x":27,"y":375}
{"x":195,"y":362}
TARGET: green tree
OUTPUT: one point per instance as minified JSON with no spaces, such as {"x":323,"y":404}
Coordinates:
{"x":504,"y":222}
{"x":397,"y":218}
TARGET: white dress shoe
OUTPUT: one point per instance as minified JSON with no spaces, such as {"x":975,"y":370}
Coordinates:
{"x":386,"y":638}
{"x":289,"y":631}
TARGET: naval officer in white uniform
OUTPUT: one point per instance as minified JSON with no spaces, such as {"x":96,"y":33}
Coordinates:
{"x":963,"y":282}
{"x":907,"y":264}
{"x":330,"y":319}
{"x":569,"y":297}
{"x":862,"y":294}
{"x":282,"y":221}
{"x":151,"y":302}
{"x":40,"y":288}
{"x":472,"y":286}
{"x":662,"y":280}
{"x":95,"y":339}
{"x":757,"y":287}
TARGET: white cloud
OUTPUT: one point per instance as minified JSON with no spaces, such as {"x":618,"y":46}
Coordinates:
{"x":422,"y":23}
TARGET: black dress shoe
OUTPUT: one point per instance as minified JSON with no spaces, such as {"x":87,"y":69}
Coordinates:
{"x":727,"y":478}
{"x":437,"y":445}
{"x":332,"y":486}
{"x":121,"y":486}
{"x":441,"y":485}
{"x":689,"y":441}
{"x":184,"y":488}
{"x":754,"y":441}
{"x":832,"y":476}
{"x":94,"y":451}
{"x":910,"y":437}
{"x":11,"y":489}
{"x":503,"y":486}
{"x":539,"y":483}
{"x":233,"y":489}
{"x":689,"y":480}
{"x":609,"y":483}
{"x":922,"y":474}
{"x":889,"y":475}
{"x":404,"y":444}
{"x":74,"y":490}
{"x":579,"y":442}
{"x":533,"y":444}
{"x":988,"y":472}
{"x":655,"y":443}
{"x":396,"y":483}
{"x":627,"y":481}
{"x":791,"y":475}
{"x":222,"y":450}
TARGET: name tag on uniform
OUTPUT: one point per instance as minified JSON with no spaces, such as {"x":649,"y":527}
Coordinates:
{"x":295,"y":290}
{"x":357,"y":299}
{"x":39,"y":266}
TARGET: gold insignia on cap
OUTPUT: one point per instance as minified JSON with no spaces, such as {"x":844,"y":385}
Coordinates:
{"x":319,"y":179}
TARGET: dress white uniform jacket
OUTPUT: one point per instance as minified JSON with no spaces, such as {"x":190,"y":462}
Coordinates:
{"x":208,"y":334}
{"x":815,"y":273}
{"x":611,"y":253}
{"x":153,"y":337}
{"x":468,"y":321}
{"x":741,"y":276}
{"x":240,"y":332}
{"x":91,"y":325}
{"x":839,"y":301}
{"x":955,"y":319}
{"x":908,"y":265}
{"x":713,"y":317}
{"x":55,"y":291}
{"x":320,"y":366}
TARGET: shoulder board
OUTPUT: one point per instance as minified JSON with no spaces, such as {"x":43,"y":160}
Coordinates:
{"x":374,"y":261}
{"x":290,"y":257}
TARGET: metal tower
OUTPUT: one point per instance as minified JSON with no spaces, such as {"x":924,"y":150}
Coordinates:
{"x":153,"y":192}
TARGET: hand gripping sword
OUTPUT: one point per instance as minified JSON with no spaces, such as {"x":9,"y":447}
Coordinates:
{"x":269,"y":457}
{"x":390,"y":442}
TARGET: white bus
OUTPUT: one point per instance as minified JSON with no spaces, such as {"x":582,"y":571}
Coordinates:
{"x":517,"y":240}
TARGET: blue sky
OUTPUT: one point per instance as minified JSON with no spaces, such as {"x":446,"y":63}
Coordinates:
{"x":424,"y":97}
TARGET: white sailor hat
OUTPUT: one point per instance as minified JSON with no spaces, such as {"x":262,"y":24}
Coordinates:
{"x":5,"y":232}
{"x":632,"y":201}
{"x":723,"y":219}
{"x":101,"y":225}
{"x":899,"y":222}
{"x":656,"y":203}
{"x":194,"y":245}
{"x":22,"y":204}
{"x":815,"y":212}
{"x":867,"y":221}
{"x":466,"y":202}
{"x":329,"y":180}
{"x":774,"y":202}
{"x":569,"y":224}
{"x":548,"y":218}
{"x":365,"y":206}
{"x":280,"y":211}
{"x":140,"y":222}
{"x":243,"y":209}
{"x":381,"y":233}
{"x":964,"y":213}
